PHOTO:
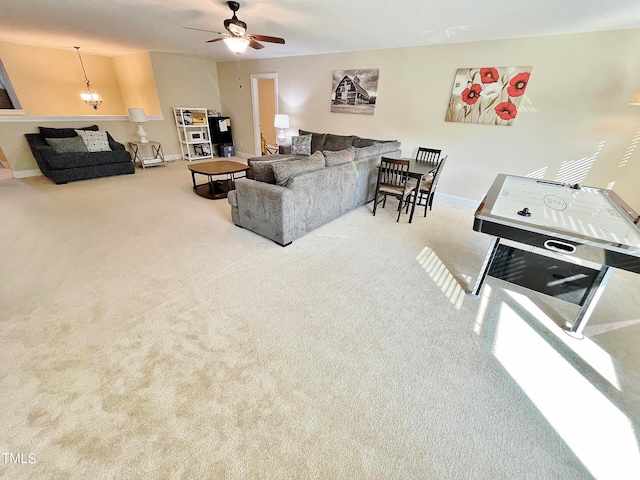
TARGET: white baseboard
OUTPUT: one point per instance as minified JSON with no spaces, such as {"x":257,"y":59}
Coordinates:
{"x":27,"y":173}
{"x":465,"y":202}
{"x":173,"y":157}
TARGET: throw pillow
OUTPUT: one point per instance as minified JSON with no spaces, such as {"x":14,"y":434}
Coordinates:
{"x":67,"y":145}
{"x":49,"y":132}
{"x":301,"y":145}
{"x":283,"y":170}
{"x":337,"y":142}
{"x":317,"y":140}
{"x":95,"y":141}
{"x":338,"y":158}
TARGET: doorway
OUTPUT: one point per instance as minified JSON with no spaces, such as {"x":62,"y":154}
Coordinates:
{"x":264,"y":94}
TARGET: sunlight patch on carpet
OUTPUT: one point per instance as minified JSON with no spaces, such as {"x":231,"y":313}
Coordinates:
{"x":599,"y":434}
{"x":441,"y":276}
{"x":586,"y":349}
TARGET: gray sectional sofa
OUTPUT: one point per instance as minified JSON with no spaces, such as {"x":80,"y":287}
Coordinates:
{"x":288,"y":195}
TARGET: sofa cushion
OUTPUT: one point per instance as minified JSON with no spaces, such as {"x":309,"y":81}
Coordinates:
{"x":95,"y":141}
{"x":285,"y":169}
{"x":262,"y":170}
{"x":49,"y":132}
{"x":301,"y":145}
{"x":388,"y":146}
{"x":317,"y":140}
{"x":359,"y":142}
{"x":337,"y":142}
{"x":67,"y":144}
{"x":338,"y":158}
{"x":365,"y":152}
{"x":87,"y":159}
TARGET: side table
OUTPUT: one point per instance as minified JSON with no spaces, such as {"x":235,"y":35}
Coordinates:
{"x":271,"y":149}
{"x":156,"y":157}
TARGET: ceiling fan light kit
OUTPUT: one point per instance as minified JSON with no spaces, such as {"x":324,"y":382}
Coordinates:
{"x":237,"y":44}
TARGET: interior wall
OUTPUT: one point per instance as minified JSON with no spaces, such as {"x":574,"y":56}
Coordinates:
{"x":182,"y":81}
{"x":134,"y":73}
{"x":266,"y":94}
{"x":48,"y":81}
{"x":578,"y":117}
{"x":178,"y":81}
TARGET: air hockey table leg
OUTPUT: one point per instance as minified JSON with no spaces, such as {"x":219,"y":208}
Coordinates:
{"x":493,"y":248}
{"x":593,"y":295}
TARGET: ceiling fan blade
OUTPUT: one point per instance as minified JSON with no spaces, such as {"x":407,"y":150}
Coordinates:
{"x":203,"y":30}
{"x":266,"y":38}
{"x":254,"y":44}
{"x":214,"y":40}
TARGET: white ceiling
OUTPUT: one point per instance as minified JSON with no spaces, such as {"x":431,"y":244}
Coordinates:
{"x":114,"y":27}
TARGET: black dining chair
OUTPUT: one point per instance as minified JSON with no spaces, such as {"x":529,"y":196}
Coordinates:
{"x":429,"y":156}
{"x":394,"y":180}
{"x":428,"y":187}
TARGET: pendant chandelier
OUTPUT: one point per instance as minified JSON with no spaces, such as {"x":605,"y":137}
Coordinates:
{"x":89,"y":96}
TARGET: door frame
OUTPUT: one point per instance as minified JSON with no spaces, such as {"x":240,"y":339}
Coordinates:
{"x":255,"y":101}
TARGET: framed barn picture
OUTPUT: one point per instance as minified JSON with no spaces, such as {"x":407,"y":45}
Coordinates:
{"x":354,"y":91}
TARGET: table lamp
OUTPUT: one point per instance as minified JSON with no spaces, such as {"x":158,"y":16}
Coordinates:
{"x":281,"y":122}
{"x":137,"y":115}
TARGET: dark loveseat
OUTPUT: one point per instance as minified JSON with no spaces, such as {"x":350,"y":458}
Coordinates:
{"x":68,"y":167}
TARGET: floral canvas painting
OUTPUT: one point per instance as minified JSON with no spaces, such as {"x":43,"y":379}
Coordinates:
{"x":488,"y":95}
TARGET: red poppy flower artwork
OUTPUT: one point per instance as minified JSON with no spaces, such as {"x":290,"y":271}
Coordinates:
{"x":488,"y":95}
{"x":506,"y":111}
{"x":518,"y":84}
{"x":489,"y":75}
{"x":470,"y":95}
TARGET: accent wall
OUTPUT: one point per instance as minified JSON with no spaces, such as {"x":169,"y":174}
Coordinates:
{"x":575,"y":122}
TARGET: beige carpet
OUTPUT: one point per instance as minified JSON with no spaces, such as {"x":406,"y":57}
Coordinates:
{"x":143,"y":335}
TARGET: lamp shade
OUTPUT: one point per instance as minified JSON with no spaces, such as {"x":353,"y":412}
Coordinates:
{"x":236,"y":44}
{"x":137,"y":115}
{"x":635,"y":100}
{"x":281,"y":121}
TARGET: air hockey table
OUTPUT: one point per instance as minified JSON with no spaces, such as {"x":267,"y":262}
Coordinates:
{"x":557,"y":239}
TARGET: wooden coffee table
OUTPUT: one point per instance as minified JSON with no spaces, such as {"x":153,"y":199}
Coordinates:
{"x":215,"y":189}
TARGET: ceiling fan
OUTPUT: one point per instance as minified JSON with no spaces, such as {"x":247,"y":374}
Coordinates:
{"x":236,"y":37}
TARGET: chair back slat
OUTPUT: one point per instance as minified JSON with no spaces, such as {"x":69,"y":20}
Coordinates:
{"x":430,"y":156}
